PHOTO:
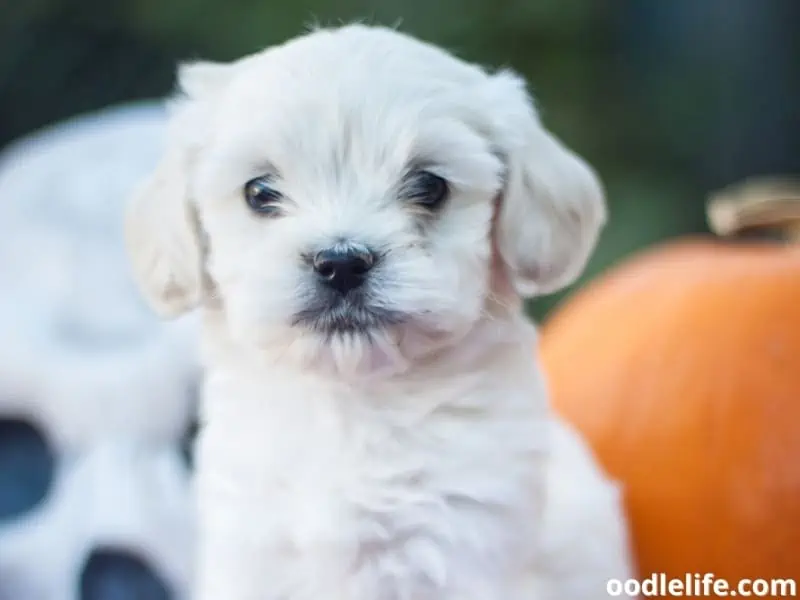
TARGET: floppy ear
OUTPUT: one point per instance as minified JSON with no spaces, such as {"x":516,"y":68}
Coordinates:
{"x":552,"y":207}
{"x":161,"y":229}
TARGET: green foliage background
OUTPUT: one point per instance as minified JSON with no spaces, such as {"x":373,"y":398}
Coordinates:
{"x":659,"y":113}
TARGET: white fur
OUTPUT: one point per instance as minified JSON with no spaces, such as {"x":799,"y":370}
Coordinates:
{"x":84,"y":360}
{"x":411,"y":461}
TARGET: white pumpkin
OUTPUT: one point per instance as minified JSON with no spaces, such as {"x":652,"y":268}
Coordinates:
{"x":95,"y":392}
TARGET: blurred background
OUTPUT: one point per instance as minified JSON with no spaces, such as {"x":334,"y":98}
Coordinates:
{"x":669,"y":99}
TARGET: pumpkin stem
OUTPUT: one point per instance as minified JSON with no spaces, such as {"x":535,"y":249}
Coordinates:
{"x":766,"y":205}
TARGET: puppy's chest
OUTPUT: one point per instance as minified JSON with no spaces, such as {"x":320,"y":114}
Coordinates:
{"x":337,"y":481}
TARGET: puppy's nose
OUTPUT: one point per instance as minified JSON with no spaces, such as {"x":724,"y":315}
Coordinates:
{"x":343,"y":269}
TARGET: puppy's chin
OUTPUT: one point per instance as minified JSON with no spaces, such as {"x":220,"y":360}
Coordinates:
{"x":351,"y":353}
{"x":385,"y":334}
{"x":354,"y":353}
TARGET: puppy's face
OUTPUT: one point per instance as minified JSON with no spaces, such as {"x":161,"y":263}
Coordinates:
{"x":337,"y":195}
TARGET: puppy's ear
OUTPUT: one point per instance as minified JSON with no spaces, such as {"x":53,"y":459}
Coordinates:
{"x":161,"y":228}
{"x":552,"y":207}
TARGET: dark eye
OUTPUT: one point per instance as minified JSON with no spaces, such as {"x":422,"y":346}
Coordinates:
{"x":428,"y":191}
{"x":262,"y":197}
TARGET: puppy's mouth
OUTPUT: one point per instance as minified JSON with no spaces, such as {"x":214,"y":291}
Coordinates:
{"x":352,"y":314}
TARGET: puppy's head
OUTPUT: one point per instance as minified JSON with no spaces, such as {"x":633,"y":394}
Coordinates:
{"x":352,"y":194}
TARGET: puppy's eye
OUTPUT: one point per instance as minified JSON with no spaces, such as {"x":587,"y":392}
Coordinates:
{"x":428,"y":191}
{"x":262,"y":197}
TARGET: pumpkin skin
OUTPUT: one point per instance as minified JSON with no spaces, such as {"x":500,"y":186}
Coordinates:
{"x":682,"y":369}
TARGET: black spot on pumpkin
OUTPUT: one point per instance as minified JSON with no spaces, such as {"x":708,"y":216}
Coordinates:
{"x":27,"y":467}
{"x":111,"y":574}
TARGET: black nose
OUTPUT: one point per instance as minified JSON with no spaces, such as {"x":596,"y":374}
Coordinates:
{"x":118,"y":575}
{"x":344,"y":269}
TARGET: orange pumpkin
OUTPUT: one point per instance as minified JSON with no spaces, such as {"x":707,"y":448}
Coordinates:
{"x":682,"y":369}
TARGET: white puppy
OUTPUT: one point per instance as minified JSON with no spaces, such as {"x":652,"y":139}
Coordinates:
{"x":357,"y":214}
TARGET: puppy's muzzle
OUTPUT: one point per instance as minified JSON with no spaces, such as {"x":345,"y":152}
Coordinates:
{"x":344,"y":300}
{"x":344,"y":268}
